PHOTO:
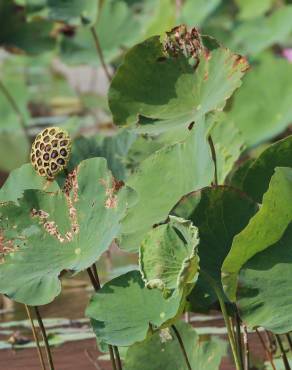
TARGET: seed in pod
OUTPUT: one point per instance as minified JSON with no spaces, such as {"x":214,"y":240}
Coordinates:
{"x":50,"y":152}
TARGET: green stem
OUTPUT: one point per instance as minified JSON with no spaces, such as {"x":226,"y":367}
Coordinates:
{"x":289,"y":341}
{"x":111,"y":352}
{"x":118,"y":358}
{"x":181,"y":343}
{"x":35,"y":336}
{"x":16,"y":109}
{"x":96,"y":286}
{"x":268,"y":353}
{"x":238,"y":337}
{"x":45,"y":338}
{"x":246,"y":348}
{"x":283,"y":353}
{"x":100,"y":54}
{"x":220,"y":297}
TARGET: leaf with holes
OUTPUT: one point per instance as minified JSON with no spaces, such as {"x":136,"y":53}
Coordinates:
{"x":168,"y":256}
{"x":157,"y":91}
{"x":47,"y":233}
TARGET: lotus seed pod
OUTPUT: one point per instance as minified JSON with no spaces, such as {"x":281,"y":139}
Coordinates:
{"x":50,"y":152}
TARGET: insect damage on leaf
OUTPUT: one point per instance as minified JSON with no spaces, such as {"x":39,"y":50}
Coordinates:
{"x":239,"y":61}
{"x":6,"y":247}
{"x":181,"y":41}
{"x":71,"y":184}
{"x":50,"y":152}
{"x":111,"y":192}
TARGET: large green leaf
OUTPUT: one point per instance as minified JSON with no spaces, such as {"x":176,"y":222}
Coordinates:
{"x":263,"y":230}
{"x":124,"y":310}
{"x":267,"y":92}
{"x":22,"y":179}
{"x":203,"y":353}
{"x":265,"y":287}
{"x":162,"y":179}
{"x":219,"y":213}
{"x":168,"y":256}
{"x":158,"y":92}
{"x":256,"y":180}
{"x":73,"y":12}
{"x":50,"y":232}
{"x":254,"y":36}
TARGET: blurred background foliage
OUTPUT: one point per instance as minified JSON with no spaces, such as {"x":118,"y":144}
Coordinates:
{"x":51,"y":74}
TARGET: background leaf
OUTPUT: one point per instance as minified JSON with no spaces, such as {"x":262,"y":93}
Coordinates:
{"x":269,"y":110}
{"x":16,"y":33}
{"x":195,"y":12}
{"x":258,"y":34}
{"x":251,"y":9}
{"x":72,"y":12}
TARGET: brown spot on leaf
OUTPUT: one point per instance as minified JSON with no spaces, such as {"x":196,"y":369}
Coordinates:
{"x":240,"y":60}
{"x":191,"y":125}
{"x":110,"y":191}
